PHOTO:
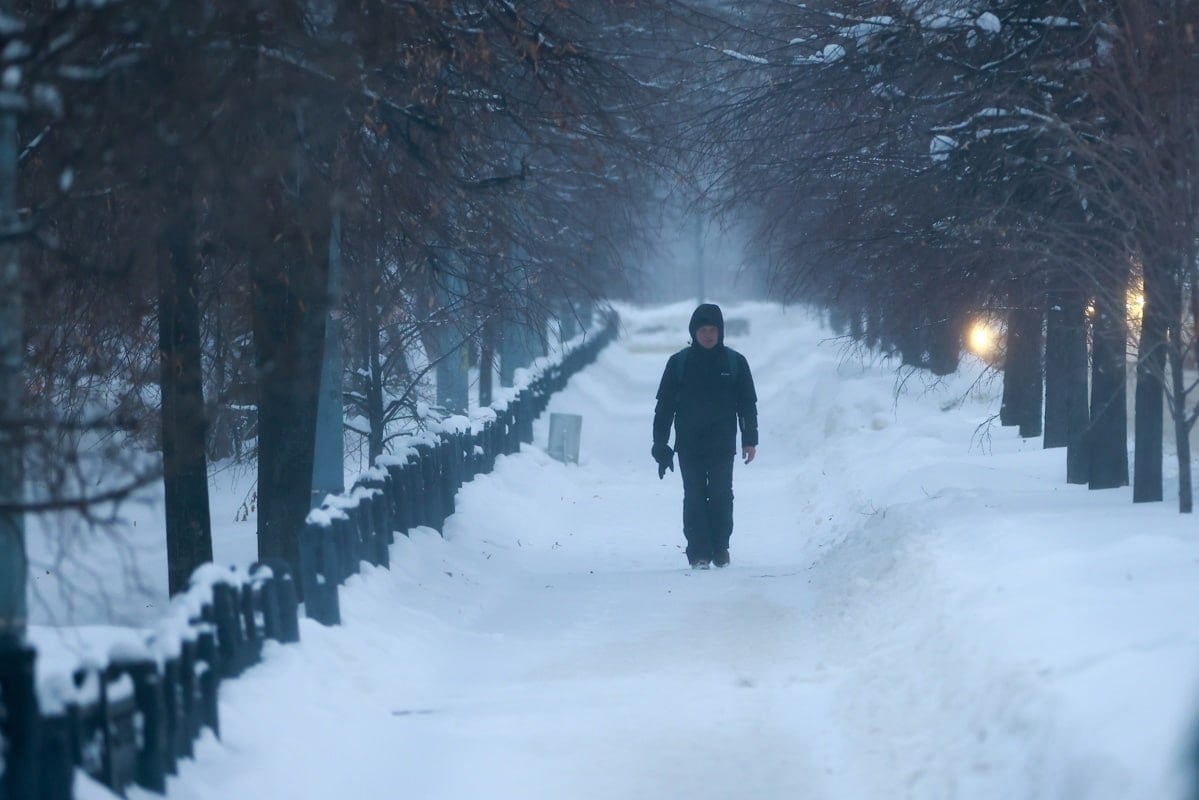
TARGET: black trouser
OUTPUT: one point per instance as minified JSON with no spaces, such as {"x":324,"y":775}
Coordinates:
{"x":707,"y":503}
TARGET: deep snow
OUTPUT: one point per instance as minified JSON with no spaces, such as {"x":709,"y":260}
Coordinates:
{"x":918,"y":607}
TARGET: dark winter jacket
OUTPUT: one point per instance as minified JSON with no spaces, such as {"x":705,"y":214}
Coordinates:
{"x":705,"y":394}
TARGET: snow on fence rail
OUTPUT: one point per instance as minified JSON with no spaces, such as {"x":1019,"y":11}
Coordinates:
{"x":128,"y":718}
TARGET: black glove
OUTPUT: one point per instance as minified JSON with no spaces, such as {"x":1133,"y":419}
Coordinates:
{"x":665,"y":458}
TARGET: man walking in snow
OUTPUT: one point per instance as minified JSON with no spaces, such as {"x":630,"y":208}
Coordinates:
{"x":706,"y":392}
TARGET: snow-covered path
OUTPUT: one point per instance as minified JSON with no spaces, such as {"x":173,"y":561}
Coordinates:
{"x":894,"y":624}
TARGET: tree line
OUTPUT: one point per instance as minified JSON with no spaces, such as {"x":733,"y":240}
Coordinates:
{"x":195,"y":189}
{"x":915,"y":166}
{"x":196,"y":197}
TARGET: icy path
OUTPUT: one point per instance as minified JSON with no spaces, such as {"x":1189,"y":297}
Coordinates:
{"x":555,"y":646}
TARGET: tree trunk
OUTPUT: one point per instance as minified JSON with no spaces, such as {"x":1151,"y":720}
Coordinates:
{"x":184,"y":427}
{"x":1182,"y":430}
{"x":290,"y":303}
{"x":13,"y":560}
{"x":1178,"y":353}
{"x":945,"y":346}
{"x":1022,"y":377}
{"x":910,"y":341}
{"x":453,"y":380}
{"x":486,"y":365}
{"x":1031,"y":422}
{"x":1057,"y":371}
{"x":220,"y":421}
{"x":837,"y":321}
{"x":1107,"y":438}
{"x":1074,"y":363}
{"x":328,"y":468}
{"x":368,"y":318}
{"x":872,"y":330}
{"x":857,"y":329}
{"x":1150,"y":393}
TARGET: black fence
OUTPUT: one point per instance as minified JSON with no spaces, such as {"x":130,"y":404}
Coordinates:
{"x":131,"y":721}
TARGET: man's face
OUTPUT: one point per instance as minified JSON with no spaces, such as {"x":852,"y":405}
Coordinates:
{"x":707,"y":336}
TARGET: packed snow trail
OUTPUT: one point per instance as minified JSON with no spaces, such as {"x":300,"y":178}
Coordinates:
{"x":883,"y":630}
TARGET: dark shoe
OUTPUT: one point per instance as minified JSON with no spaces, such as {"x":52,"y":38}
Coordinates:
{"x":700,"y":563}
{"x":722,"y":558}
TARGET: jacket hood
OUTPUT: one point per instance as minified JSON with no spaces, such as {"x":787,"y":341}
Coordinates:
{"x":707,"y":314}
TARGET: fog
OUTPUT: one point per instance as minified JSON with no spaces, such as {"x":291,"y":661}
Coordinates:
{"x":699,"y":257}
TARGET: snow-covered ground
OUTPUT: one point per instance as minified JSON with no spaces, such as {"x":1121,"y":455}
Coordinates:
{"x":917,"y":608}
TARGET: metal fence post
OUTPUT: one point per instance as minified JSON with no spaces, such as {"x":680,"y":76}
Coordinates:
{"x":117,"y":713}
{"x":319,"y":570}
{"x":402,"y":510}
{"x":287,"y":600}
{"x":151,"y":772}
{"x":175,"y":707}
{"x":445,"y":486}
{"x":208,"y":680}
{"x":252,"y":634}
{"x":190,"y":696}
{"x":56,"y":764}
{"x":20,"y":723}
{"x":416,"y":491}
{"x":228,"y":630}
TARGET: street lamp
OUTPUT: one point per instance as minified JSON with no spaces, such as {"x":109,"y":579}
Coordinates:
{"x":982,"y":339}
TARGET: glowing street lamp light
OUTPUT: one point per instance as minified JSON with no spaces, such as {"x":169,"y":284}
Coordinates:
{"x":1135,"y":305}
{"x":982,"y":339}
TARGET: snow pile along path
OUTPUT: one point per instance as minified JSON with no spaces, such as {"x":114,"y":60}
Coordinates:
{"x":913,"y":611}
